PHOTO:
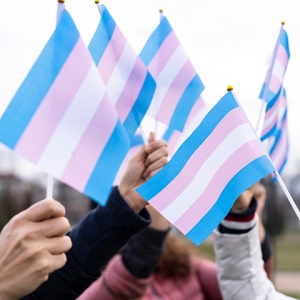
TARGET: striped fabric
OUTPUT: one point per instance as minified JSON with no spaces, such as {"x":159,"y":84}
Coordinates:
{"x":62,"y":120}
{"x":221,"y":158}
{"x":275,"y":75}
{"x":280,"y":147}
{"x":178,"y":84}
{"x":128,"y":83}
{"x":174,"y":137}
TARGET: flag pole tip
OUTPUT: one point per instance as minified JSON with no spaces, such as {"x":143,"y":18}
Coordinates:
{"x":229,"y":88}
{"x":282,"y":23}
{"x":160,"y":10}
{"x":97,"y":1}
{"x":61,"y":1}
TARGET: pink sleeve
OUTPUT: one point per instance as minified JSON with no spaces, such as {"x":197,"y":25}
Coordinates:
{"x":207,"y":274}
{"x":116,"y":283}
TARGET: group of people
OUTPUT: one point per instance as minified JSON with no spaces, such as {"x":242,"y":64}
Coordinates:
{"x":126,"y":250}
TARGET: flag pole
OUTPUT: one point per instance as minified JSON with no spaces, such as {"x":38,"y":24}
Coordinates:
{"x":287,"y":193}
{"x":97,"y":2}
{"x":161,"y":15}
{"x":60,"y":9}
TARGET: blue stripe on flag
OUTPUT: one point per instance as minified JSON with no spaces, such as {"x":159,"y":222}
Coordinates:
{"x":105,"y":171}
{"x":168,"y":133}
{"x":155,"y":40}
{"x":140,"y":106}
{"x":284,"y":41}
{"x":157,"y":183}
{"x":38,"y":81}
{"x":102,"y":35}
{"x":186,"y":103}
{"x":245,"y":178}
{"x":136,"y":140}
{"x":269,"y":133}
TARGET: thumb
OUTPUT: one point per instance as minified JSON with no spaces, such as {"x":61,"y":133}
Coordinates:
{"x":151,"y":137}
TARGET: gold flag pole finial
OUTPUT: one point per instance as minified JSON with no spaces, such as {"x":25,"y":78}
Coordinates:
{"x":61,"y":1}
{"x":97,"y":1}
{"x":229,"y":88}
{"x":282,"y":23}
{"x":160,"y":10}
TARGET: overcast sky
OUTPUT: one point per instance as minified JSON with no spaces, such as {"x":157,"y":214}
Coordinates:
{"x":228,"y":42}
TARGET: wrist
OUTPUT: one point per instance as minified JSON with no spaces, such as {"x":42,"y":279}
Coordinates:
{"x":131,"y":197}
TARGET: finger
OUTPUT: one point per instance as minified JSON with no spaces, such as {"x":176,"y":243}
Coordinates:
{"x":54,"y":227}
{"x":59,"y":245}
{"x":153,"y":146}
{"x":156,"y":155}
{"x":43,"y":210}
{"x":140,"y":155}
{"x":151,"y":137}
{"x":57,"y":262}
{"x":155,"y":167}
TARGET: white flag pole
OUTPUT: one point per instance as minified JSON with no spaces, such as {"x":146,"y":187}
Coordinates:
{"x":287,"y":193}
{"x":60,"y":9}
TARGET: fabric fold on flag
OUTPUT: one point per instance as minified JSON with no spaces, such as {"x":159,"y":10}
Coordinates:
{"x":218,"y":161}
{"x":127,"y":80}
{"x":64,"y":121}
{"x":178,"y":84}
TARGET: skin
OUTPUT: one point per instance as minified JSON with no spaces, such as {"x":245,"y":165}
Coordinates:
{"x":32,"y":245}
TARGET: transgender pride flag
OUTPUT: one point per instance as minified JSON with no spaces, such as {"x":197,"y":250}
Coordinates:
{"x":128,"y":83}
{"x":62,"y":120}
{"x":273,"y":82}
{"x":175,"y":137}
{"x":178,"y":84}
{"x":280,"y":147}
{"x":221,"y":159}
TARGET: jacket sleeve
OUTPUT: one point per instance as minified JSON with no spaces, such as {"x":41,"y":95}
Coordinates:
{"x":240,"y":266}
{"x":95,"y":240}
{"x":127,"y":275}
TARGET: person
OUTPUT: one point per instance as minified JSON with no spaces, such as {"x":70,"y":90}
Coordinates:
{"x":238,"y":254}
{"x":94,"y":240}
{"x":155,"y":264}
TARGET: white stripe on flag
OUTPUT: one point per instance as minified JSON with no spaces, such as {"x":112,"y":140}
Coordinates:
{"x":121,"y":73}
{"x":62,"y":144}
{"x":234,"y":140}
{"x":271,"y":117}
{"x":165,"y":79}
{"x":278,"y":70}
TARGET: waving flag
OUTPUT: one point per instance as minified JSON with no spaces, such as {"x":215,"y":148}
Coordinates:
{"x":280,"y":147}
{"x":221,"y":159}
{"x":62,"y":120}
{"x":175,"y":137}
{"x":128,"y":83}
{"x":178,"y":84}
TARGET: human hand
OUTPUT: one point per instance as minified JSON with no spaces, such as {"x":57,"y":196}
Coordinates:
{"x":32,"y":245}
{"x":243,"y":201}
{"x":149,"y":160}
{"x":260,"y":195}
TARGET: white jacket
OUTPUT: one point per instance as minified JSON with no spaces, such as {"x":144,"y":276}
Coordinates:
{"x":240,"y":267}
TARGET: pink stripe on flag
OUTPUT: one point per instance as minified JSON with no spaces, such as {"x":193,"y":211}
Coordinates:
{"x":176,"y":90}
{"x":164,"y":53}
{"x":271,"y":118}
{"x":111,"y":55}
{"x":238,"y":160}
{"x":282,"y":55}
{"x":92,"y":142}
{"x":274,"y":84}
{"x":173,"y":141}
{"x":131,"y":90}
{"x":55,"y":104}
{"x":198,"y":106}
{"x":232,"y":120}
